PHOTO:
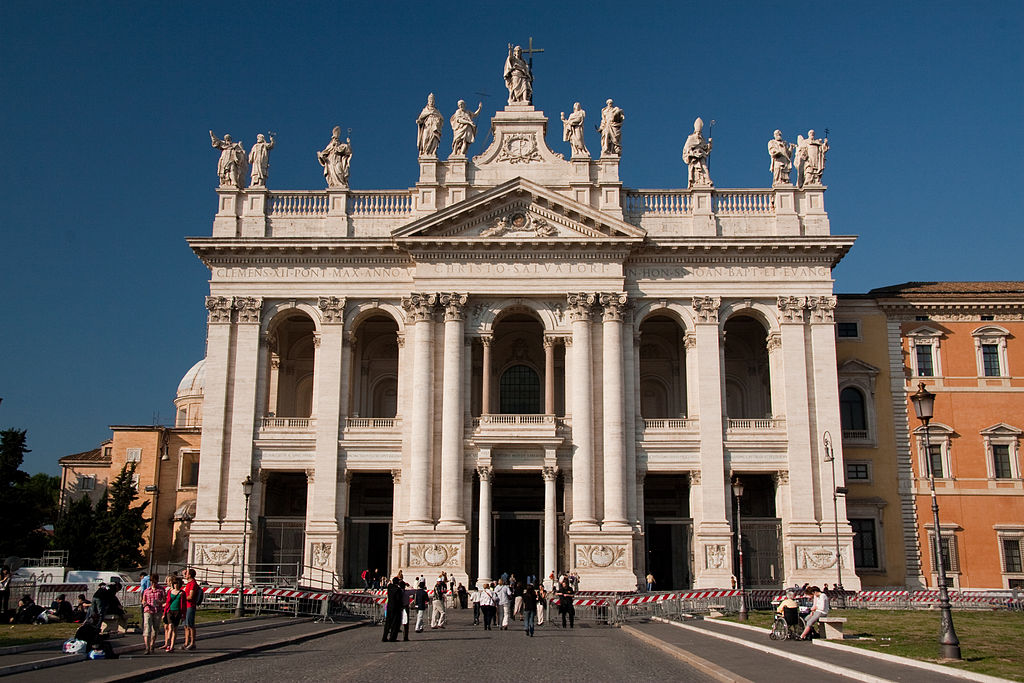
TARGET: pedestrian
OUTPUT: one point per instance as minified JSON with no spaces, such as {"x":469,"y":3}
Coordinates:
{"x":365,"y":576}
{"x":542,"y":604}
{"x":173,"y":609}
{"x":107,"y":604}
{"x":463,"y":596}
{"x":474,"y":597}
{"x":565,"y":606}
{"x":529,"y":605}
{"x":192,"y":598}
{"x":487,"y":605}
{"x":819,"y":609}
{"x":517,"y":597}
{"x":5,"y":590}
{"x":504,"y":596}
{"x":552,"y":581}
{"x":144,"y":583}
{"x":153,"y":600}
{"x":420,"y":601}
{"x":395,"y":608}
{"x":650,"y":581}
{"x":438,"y":618}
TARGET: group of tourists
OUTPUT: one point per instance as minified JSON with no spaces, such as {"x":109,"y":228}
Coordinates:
{"x":169,"y":606}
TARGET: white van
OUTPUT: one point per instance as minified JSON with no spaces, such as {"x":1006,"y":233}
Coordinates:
{"x":93,"y":579}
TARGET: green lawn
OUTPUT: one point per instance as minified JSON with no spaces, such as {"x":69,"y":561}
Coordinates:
{"x":21,"y":634}
{"x":989,"y":641}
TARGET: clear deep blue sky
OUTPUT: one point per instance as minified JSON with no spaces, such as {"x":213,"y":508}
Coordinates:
{"x":106,"y":164}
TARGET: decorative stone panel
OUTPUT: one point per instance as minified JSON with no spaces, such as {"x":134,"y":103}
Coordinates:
{"x":600,"y":556}
{"x":434,"y":555}
{"x":217,"y":553}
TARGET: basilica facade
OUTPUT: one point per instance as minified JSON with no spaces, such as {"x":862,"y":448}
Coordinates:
{"x":523,"y":365}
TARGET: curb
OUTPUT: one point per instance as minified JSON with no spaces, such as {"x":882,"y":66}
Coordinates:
{"x":699,"y":663}
{"x":895,"y":659}
{"x":63,"y":659}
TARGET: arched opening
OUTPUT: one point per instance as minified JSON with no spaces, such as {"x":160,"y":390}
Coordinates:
{"x":662,"y":368}
{"x":516,"y":366}
{"x":851,"y":410}
{"x":375,"y":368}
{"x":291,"y":366}
{"x":747,"y":370}
{"x":519,"y":390}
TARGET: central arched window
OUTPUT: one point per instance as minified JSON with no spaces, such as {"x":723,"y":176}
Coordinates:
{"x":520,"y":390}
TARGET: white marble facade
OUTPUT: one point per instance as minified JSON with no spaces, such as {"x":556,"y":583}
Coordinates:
{"x":366,"y":332}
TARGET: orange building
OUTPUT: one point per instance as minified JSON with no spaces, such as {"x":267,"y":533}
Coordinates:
{"x":965,"y":342}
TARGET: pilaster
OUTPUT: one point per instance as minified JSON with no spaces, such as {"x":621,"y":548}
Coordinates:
{"x":337,"y":212}
{"x":248,"y":313}
{"x":614,"y":418}
{"x":254,"y":213}
{"x":229,"y":210}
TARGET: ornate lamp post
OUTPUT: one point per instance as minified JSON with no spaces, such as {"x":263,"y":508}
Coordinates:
{"x":830,"y":458}
{"x":924,"y":406}
{"x":737,"y":490}
{"x":247,"y":490}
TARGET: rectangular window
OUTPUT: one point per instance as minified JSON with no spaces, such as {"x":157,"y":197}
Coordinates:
{"x":107,"y":451}
{"x":950,"y":557}
{"x":847,"y":330}
{"x":1001,"y":461}
{"x":1012,"y":563}
{"x":990,"y":360}
{"x":925,"y":367}
{"x":133,"y":454}
{"x":857,"y":471}
{"x":935,"y":459}
{"x":86,"y":482}
{"x":189,"y":469}
{"x":865,"y":544}
{"x":1015,"y":583}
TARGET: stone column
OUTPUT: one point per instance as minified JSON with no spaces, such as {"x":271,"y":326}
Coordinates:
{"x":248,"y":312}
{"x":614,"y":416}
{"x":549,"y":375}
{"x":420,"y":308}
{"x":550,"y":475}
{"x":215,"y":411}
{"x":709,"y":501}
{"x":631,"y":370}
{"x":451,"y":411}
{"x":484,"y":544}
{"x":579,"y":306}
{"x":485,"y":376}
{"x":794,"y":379}
{"x":329,"y":379}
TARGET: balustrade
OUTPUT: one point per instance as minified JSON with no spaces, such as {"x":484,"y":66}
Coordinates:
{"x":756,"y":424}
{"x":303,"y":423}
{"x":670,"y":424}
{"x":744,"y":203}
{"x":386,"y":204}
{"x":658,"y":202}
{"x":298,"y":204}
{"x":372,"y":422}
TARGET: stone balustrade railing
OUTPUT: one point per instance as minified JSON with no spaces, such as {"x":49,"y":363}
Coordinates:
{"x":670,"y":424}
{"x":680,"y":202}
{"x":288,"y":423}
{"x":316,"y":204}
{"x":372,"y":422}
{"x":511,"y":420}
{"x":855,"y":434}
{"x":383,"y":203}
{"x":299,"y":203}
{"x":756,"y":424}
{"x":743,"y":203}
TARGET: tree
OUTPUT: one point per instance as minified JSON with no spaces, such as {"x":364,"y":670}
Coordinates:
{"x":121,"y":526}
{"x":15,"y":520}
{"x":75,"y":533}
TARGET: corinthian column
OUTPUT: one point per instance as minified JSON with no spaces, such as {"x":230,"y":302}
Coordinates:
{"x":484,"y":545}
{"x":549,"y":375}
{"x":579,"y":306}
{"x":451,"y":411}
{"x":420,"y":308}
{"x":485,"y":376}
{"x":614,"y":416}
{"x":550,"y":474}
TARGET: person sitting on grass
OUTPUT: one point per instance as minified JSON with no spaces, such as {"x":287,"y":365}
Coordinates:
{"x":60,"y":610}
{"x":27,"y":611}
{"x":818,"y":610}
{"x":790,"y":611}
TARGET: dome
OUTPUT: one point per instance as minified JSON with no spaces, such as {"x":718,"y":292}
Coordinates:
{"x":192,"y":383}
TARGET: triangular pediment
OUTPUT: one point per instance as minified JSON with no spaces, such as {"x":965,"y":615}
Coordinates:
{"x":855,"y":366}
{"x":519,"y":210}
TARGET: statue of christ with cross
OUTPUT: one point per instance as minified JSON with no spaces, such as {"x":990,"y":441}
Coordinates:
{"x":519,"y":74}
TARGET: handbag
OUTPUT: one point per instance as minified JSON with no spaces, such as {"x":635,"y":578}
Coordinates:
{"x":405,"y":617}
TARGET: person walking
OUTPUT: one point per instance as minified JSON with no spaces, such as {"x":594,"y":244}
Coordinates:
{"x":650,"y":582}
{"x":144,"y":583}
{"x":438,"y":618}
{"x":192,"y":598}
{"x":153,"y":600}
{"x":463,"y":596}
{"x":488,"y":600}
{"x":504,"y":596}
{"x":542,"y":604}
{"x":474,"y":597}
{"x":517,"y":596}
{"x":529,"y":605}
{"x":420,"y":601}
{"x":173,"y":609}
{"x":5,"y":590}
{"x":565,"y":606}
{"x":394,"y":609}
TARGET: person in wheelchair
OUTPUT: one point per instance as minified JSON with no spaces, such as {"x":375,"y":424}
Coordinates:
{"x":789,"y":609}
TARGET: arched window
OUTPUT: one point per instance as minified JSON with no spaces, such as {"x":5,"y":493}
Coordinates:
{"x":520,"y":390}
{"x":851,"y":410}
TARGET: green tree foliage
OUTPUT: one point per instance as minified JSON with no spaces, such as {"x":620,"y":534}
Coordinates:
{"x":26,"y":503}
{"x":120,"y":526}
{"x":74,"y":533}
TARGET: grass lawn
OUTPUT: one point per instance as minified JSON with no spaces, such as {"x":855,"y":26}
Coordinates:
{"x":21,"y":634}
{"x":989,"y":641}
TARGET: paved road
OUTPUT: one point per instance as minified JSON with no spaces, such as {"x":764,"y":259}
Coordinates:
{"x":460,"y":651}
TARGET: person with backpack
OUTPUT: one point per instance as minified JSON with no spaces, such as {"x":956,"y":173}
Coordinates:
{"x":438,"y":618}
{"x":153,"y":600}
{"x":193,"y":598}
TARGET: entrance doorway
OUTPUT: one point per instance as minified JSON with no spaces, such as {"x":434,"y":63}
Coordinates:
{"x":762,"y":533}
{"x":368,"y":527}
{"x":518,"y":521}
{"x":281,"y":529}
{"x":668,"y":531}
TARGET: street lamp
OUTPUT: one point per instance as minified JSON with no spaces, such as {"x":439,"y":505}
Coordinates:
{"x":830,"y":457}
{"x":924,"y":406}
{"x":247,"y":490}
{"x":737,"y":491}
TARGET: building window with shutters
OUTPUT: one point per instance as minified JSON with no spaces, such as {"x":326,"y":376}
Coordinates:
{"x":924,"y":352}
{"x":950,"y":558}
{"x":1011,"y":555}
{"x":86,"y":482}
{"x":1002,"y":452}
{"x":990,"y":351}
{"x":938,"y":458}
{"x":865,"y":543}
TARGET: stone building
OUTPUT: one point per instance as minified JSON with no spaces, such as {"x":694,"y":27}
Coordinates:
{"x":522,"y":365}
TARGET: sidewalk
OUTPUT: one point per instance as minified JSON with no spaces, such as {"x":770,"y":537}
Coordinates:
{"x":750,"y":653}
{"x":215,"y":642}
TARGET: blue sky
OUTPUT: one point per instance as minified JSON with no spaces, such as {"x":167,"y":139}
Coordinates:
{"x":106,"y":164}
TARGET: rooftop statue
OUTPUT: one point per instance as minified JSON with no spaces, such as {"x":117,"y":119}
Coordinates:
{"x":810,"y":159}
{"x":781,"y":153}
{"x":335,"y":159}
{"x":518,"y":78}
{"x":696,"y":154}
{"x":231,"y":165}
{"x":611,"y":129}
{"x":572,"y":131}
{"x":259,"y":157}
{"x":429,"y":123}
{"x":464,"y":128}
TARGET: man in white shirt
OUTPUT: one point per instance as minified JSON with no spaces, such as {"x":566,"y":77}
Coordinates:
{"x":504,"y":596}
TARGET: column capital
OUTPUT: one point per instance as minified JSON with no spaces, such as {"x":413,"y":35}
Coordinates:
{"x":248,"y":308}
{"x":453,"y":304}
{"x":399,"y":339}
{"x":396,"y":476}
{"x":317,"y":338}
{"x":694,"y":477}
{"x":219,"y":308}
{"x":420,"y":307}
{"x":579,"y":305}
{"x":781,"y":478}
{"x":706,"y":308}
{"x":791,"y":308}
{"x":486,"y":339}
{"x":613,"y":304}
{"x":689,"y":341}
{"x":333,"y":308}
{"x":486,"y":472}
{"x":349,"y":339}
{"x":549,"y":341}
{"x":263,"y":475}
{"x":549,"y":473}
{"x":773,"y":342}
{"x":310,"y":475}
{"x":269,"y":340}
{"x":822,"y":308}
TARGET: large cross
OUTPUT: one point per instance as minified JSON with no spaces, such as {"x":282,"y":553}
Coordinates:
{"x":530,"y":50}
